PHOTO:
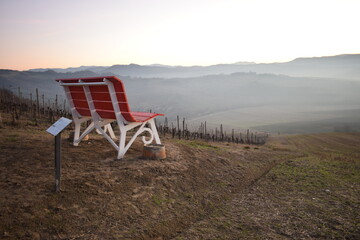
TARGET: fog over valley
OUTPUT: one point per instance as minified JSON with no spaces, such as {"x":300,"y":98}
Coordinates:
{"x":304,"y":95}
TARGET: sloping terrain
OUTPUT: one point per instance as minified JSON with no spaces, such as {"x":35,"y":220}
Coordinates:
{"x":314,"y":196}
{"x":113,"y":199}
{"x":202,"y":190}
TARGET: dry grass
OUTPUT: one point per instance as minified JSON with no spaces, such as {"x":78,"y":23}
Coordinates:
{"x":316,"y":195}
{"x":293,"y":187}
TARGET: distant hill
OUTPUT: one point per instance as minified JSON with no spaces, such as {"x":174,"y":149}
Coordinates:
{"x":28,"y":81}
{"x":345,"y":66}
{"x":235,"y":95}
{"x":235,"y":100}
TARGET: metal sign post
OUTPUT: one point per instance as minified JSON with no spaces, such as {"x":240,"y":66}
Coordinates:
{"x":56,"y":130}
{"x":57,"y":162}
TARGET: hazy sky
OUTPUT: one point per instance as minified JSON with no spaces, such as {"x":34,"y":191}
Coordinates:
{"x":52,"y":33}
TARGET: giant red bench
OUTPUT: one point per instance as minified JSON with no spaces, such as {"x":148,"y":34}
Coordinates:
{"x":103,"y":100}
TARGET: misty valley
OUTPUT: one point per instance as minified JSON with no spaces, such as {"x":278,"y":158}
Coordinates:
{"x":305,"y":95}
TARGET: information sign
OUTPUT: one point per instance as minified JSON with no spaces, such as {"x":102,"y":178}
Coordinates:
{"x":58,"y":126}
{"x":56,"y":130}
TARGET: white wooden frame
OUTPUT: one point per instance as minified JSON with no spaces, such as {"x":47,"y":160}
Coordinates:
{"x":103,"y":126}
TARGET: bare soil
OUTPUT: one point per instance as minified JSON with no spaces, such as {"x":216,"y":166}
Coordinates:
{"x":202,"y":190}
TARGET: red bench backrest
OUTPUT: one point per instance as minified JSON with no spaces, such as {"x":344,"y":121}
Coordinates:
{"x":101,"y":97}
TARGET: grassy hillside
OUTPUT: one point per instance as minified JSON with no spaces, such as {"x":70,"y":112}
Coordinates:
{"x":304,"y":186}
{"x":313,"y":196}
{"x":286,"y":119}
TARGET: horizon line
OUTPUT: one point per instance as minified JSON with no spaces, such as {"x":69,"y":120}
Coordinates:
{"x":167,"y":65}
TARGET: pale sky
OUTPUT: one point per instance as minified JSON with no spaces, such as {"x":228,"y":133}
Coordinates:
{"x":71,"y":33}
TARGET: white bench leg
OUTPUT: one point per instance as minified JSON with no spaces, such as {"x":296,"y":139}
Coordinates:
{"x":77,"y":133}
{"x":123,"y":147}
{"x":111,"y":131}
{"x":77,"y":136}
{"x":154,"y":130}
{"x":108,"y":128}
{"x":122,"y":140}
